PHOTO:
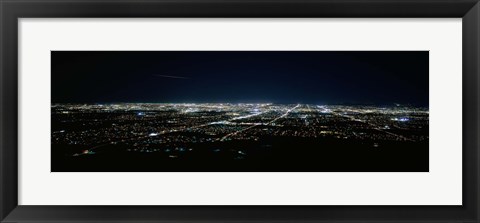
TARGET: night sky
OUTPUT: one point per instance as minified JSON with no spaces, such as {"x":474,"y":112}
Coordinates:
{"x":316,"y":77}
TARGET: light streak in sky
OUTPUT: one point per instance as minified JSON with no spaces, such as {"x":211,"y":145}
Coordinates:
{"x":170,"y":76}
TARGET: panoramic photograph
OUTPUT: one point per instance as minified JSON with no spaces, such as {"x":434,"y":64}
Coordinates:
{"x":239,"y":111}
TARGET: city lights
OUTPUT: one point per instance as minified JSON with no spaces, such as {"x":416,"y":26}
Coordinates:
{"x":162,"y":127}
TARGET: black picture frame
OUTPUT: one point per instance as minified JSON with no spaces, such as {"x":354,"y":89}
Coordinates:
{"x":12,"y":10}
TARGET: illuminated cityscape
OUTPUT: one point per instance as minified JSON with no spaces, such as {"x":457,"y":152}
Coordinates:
{"x":235,"y":132}
{"x":240,"y":111}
